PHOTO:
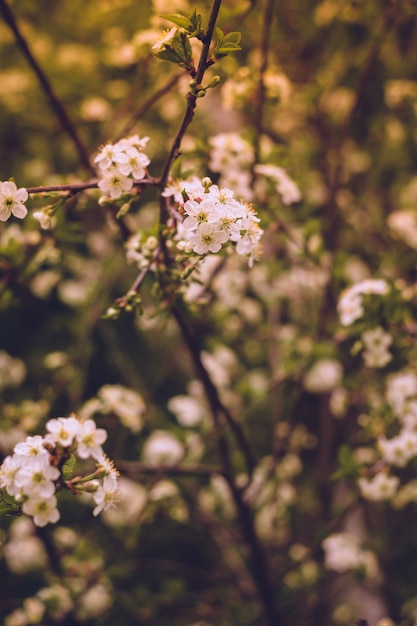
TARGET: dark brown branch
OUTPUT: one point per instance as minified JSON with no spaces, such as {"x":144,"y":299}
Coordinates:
{"x":56,"y":103}
{"x":216,"y":405}
{"x":77,"y":187}
{"x":191,"y":105}
{"x":50,"y":549}
{"x":257,"y":563}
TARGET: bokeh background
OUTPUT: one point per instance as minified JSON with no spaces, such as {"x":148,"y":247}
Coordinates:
{"x":326,"y":90}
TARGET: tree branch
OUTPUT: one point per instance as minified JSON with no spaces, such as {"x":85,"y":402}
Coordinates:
{"x":191,"y":105}
{"x":55,"y":102}
{"x":92,"y":184}
{"x":257,"y":562}
{"x":217,"y":407}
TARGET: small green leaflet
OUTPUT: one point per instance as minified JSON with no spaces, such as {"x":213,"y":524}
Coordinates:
{"x":226,"y":43}
{"x":190,"y":22}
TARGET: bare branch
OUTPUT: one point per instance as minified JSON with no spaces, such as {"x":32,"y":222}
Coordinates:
{"x":55,"y":102}
{"x":92,"y":184}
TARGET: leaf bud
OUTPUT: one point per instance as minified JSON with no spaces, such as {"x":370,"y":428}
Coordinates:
{"x":214,"y":81}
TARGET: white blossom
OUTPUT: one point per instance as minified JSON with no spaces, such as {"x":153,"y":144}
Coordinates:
{"x":36,"y":479}
{"x":229,"y":150}
{"x":12,"y":371}
{"x":207,"y":239}
{"x":399,"y":450}
{"x":188,"y":411}
{"x":114,"y":184}
{"x":107,"y":494}
{"x":380,"y":487}
{"x":162,"y":447}
{"x":401,"y":390}
{"x":43,"y":510}
{"x":342,"y":553}
{"x":376,"y":342}
{"x":285,"y":186}
{"x":32,"y":447}
{"x":32,"y":474}
{"x":350,"y":305}
{"x":120,"y":164}
{"x":126,"y":403}
{"x":324,"y":376}
{"x":90,"y":439}
{"x":63,"y":430}
{"x":12,"y":201}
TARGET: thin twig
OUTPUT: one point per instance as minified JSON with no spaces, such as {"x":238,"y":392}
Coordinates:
{"x":148,"y":104}
{"x":56,"y":103}
{"x":92,"y":184}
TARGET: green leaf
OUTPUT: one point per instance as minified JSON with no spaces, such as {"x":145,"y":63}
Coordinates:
{"x":176,"y":49}
{"x":190,"y":22}
{"x":220,"y":36}
{"x":8,"y":505}
{"x":6,"y":497}
{"x":180,"y":19}
{"x":194,"y":28}
{"x":182,"y":47}
{"x":348,"y":466}
{"x":232,"y":38}
{"x":226,"y":43}
{"x":68,"y":469}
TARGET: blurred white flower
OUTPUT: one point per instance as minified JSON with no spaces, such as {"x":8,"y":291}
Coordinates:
{"x":342,"y":553}
{"x":162,"y":447}
{"x":380,"y":487}
{"x":350,"y":305}
{"x":376,"y":342}
{"x":12,"y":371}
{"x":324,"y":376}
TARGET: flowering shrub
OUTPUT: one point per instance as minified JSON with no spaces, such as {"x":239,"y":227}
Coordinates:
{"x":209,"y":266}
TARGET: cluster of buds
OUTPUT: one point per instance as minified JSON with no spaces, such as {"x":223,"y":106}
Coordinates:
{"x":40,"y":466}
{"x":121,"y":164}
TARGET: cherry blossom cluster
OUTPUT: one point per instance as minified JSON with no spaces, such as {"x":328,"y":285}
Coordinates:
{"x":121,"y":164}
{"x":399,"y":450}
{"x":12,"y":201}
{"x":351,"y":306}
{"x":38,"y":468}
{"x":212,"y":218}
{"x":285,"y":186}
{"x":342,"y":553}
{"x":232,"y":157}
